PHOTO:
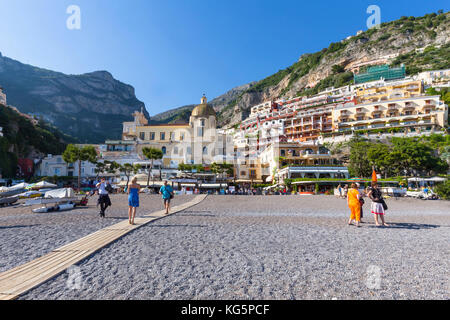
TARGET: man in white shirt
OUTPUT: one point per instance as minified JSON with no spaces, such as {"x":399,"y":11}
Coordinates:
{"x":103,"y":198}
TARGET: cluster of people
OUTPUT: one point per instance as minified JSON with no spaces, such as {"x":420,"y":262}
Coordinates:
{"x":355,"y":200}
{"x":104,"y":189}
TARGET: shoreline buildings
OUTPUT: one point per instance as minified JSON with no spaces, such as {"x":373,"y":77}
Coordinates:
{"x":284,"y":138}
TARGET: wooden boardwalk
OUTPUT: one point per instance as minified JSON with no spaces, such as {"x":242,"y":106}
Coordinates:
{"x":21,"y":279}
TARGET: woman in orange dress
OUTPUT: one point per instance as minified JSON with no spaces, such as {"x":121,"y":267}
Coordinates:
{"x":353,"y":197}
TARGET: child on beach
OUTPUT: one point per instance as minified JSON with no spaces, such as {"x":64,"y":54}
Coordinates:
{"x":133,"y":199}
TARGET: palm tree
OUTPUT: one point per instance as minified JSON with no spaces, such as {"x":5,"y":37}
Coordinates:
{"x":152,"y":154}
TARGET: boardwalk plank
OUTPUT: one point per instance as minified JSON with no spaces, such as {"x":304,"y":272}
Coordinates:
{"x":23,"y":278}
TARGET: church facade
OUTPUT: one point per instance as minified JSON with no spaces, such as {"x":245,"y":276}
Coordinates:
{"x":196,"y":142}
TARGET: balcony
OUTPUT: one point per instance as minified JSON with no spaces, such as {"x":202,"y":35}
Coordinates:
{"x":376,"y":112}
{"x":360,"y":111}
{"x":392,"y":106}
{"x":428,"y":107}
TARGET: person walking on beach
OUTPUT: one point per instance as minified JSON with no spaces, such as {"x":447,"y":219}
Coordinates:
{"x":340,"y":190}
{"x":345,"y":190}
{"x":167,"y":194}
{"x":133,"y":199}
{"x":377,"y":204}
{"x":103,"y":196}
{"x":353,"y":197}
{"x":361,"y":199}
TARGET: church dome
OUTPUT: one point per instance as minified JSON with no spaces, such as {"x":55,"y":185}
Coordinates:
{"x":203,"y":110}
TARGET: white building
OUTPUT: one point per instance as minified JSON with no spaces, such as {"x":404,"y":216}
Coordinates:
{"x":54,"y":165}
{"x":434,"y":77}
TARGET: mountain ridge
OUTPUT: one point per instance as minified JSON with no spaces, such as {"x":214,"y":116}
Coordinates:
{"x":76,"y":104}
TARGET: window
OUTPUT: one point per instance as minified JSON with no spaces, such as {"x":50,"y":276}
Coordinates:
{"x":57,"y":171}
{"x":142,"y":135}
{"x":164,"y":150}
{"x":188,"y":150}
{"x":205,"y":150}
{"x":253,"y":174}
{"x":152,"y":136}
{"x":283,"y":153}
{"x":162,"y":136}
{"x":181,"y":136}
{"x":172,"y":136}
{"x":200,"y":132}
{"x":175,"y":150}
{"x":202,"y":122}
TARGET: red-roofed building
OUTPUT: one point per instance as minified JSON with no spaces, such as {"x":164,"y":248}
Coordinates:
{"x":25,"y":168}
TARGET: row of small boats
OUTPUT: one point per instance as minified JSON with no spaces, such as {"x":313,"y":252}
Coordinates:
{"x":50,"y":199}
{"x":9,"y":196}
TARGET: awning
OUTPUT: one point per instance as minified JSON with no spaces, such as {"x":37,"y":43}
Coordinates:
{"x":189,"y":185}
{"x":213,"y":185}
{"x":142,"y":183}
{"x":272,"y":187}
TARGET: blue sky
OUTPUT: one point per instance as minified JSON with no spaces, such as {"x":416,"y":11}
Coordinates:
{"x":174,"y":51}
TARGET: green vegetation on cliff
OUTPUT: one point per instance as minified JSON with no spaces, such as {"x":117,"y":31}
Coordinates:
{"x":22,"y":138}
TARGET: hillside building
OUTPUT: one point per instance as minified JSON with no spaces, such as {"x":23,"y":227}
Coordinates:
{"x":416,"y":114}
{"x":380,"y":72}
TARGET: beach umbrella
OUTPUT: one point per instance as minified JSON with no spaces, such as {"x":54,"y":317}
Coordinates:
{"x":374,"y":176}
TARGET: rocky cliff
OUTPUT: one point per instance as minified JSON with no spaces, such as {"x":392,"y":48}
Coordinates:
{"x":76,"y":104}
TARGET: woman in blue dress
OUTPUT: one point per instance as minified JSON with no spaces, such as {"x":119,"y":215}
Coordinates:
{"x":133,"y":199}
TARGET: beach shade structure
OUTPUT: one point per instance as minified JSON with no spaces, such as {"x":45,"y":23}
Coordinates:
{"x":44,"y":185}
{"x":374,"y":176}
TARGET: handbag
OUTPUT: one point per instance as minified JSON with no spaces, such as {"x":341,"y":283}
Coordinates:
{"x":385,"y":207}
{"x":109,"y":188}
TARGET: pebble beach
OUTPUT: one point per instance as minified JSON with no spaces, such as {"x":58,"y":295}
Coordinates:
{"x":243,"y":247}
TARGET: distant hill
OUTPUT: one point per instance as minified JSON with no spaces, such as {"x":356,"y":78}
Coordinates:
{"x":421,"y":43}
{"x":24,"y":139}
{"x":182,"y":114}
{"x":90,"y":107}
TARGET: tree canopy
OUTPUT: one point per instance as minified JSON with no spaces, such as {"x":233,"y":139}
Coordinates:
{"x":402,"y":156}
